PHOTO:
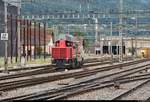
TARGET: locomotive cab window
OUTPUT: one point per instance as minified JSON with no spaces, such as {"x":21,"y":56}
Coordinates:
{"x":57,"y":43}
{"x":68,"y":44}
{"x":74,"y":46}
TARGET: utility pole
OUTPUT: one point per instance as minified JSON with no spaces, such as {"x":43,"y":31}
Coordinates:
{"x":102,"y":44}
{"x":132,"y":49}
{"x":120,"y":32}
{"x":88,"y":5}
{"x":136,"y":37}
{"x":6,"y":42}
{"x":80,"y":8}
{"x":111,"y":41}
{"x":96,"y":29}
{"x":18,"y":30}
{"x":84,"y":41}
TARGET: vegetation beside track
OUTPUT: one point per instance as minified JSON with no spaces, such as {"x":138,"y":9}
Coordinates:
{"x":29,"y":62}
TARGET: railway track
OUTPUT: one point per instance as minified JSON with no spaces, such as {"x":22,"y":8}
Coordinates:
{"x":27,"y":68}
{"x":48,"y":65}
{"x":145,"y":77}
{"x":147,"y":100}
{"x":85,"y":73}
{"x":85,"y":83}
{"x":4,"y":86}
{"x":44,"y":71}
{"x":103,"y":60}
{"x":70,"y":90}
{"x":131,"y":90}
{"x":91,"y":87}
{"x":50,"y":68}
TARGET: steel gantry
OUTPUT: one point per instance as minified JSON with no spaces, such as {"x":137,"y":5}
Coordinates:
{"x":78,"y":15}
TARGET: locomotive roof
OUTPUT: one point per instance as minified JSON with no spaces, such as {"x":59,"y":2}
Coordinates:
{"x":64,"y":40}
{"x":65,"y":37}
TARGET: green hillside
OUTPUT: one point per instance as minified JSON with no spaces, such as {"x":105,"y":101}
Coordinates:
{"x":49,"y":6}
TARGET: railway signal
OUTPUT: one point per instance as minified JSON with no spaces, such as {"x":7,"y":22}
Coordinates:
{"x":4,"y":36}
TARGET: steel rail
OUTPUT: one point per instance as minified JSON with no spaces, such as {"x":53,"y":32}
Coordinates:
{"x":131,"y":90}
{"x":57,"y":94}
{"x":86,"y":84}
{"x":32,"y":81}
{"x":44,"y":70}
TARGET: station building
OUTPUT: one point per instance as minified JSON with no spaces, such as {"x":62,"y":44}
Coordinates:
{"x":139,"y":44}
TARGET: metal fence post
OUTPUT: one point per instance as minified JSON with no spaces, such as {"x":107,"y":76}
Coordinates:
{"x":6,"y":42}
{"x":39,"y":40}
{"x":16,"y":40}
{"x":27,"y":39}
{"x":30,"y":41}
{"x":44,"y":41}
{"x":34,"y":40}
{"x":24,"y":38}
{"x":11,"y":38}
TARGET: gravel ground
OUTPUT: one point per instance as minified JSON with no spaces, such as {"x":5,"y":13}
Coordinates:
{"x":36,"y":88}
{"x":56,"y":84}
{"x":39,"y":75}
{"x":139,"y":94}
{"x":40,"y":87}
{"x":106,"y":73}
{"x":16,"y":67}
{"x":14,"y":72}
{"x":28,"y":65}
{"x":140,"y":73}
{"x":31,"y":65}
{"x":48,"y":74}
{"x":105,"y":93}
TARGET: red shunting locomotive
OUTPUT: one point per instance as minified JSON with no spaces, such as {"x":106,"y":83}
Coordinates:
{"x":66,"y":53}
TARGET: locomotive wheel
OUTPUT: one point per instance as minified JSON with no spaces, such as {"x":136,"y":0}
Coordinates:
{"x":73,"y":64}
{"x":82,"y":61}
{"x":79,"y":64}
